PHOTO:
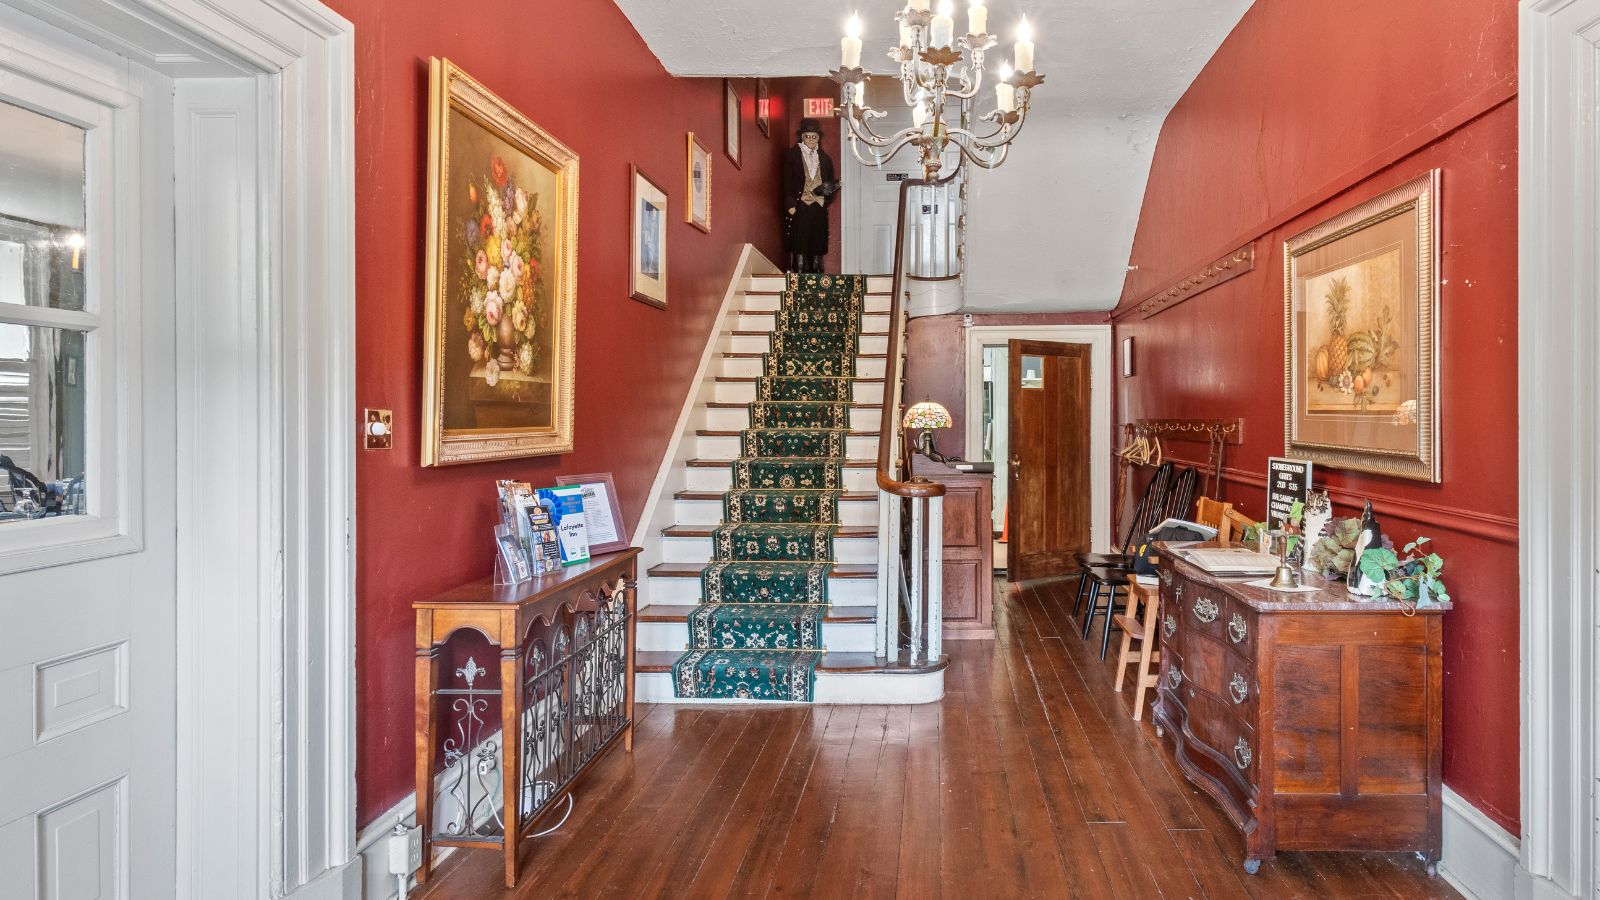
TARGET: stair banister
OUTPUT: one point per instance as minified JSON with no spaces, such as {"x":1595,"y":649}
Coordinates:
{"x":913,"y":579}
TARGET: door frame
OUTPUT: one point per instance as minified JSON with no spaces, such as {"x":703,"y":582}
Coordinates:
{"x":1098,"y":337}
{"x":1559,"y":434}
{"x":265,"y":690}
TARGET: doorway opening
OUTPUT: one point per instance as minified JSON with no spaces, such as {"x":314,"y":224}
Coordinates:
{"x":988,"y":423}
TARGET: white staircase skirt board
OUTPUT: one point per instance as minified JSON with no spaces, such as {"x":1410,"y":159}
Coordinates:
{"x":839,"y":688}
{"x":837,"y":637}
{"x":668,"y":591}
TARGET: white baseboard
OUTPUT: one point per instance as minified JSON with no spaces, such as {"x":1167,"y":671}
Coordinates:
{"x":1480,"y":857}
{"x":343,"y":883}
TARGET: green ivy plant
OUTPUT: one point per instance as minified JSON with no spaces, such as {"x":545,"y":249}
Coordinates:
{"x":1413,"y":578}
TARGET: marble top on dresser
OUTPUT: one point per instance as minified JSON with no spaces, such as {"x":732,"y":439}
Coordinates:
{"x":1333,"y":596}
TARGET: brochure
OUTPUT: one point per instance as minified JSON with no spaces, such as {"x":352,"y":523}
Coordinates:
{"x":566,"y":512}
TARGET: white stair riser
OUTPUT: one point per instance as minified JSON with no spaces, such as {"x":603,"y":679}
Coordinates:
{"x":838,"y":637}
{"x":662,"y":591}
{"x":738,"y":419}
{"x":745,"y":392}
{"x":769,"y":302}
{"x":698,"y":550}
{"x":867,"y":343}
{"x":751,"y":367}
{"x":709,"y":512}
{"x":721,"y":479}
{"x":875,"y":283}
{"x":727,"y":447}
{"x":843,"y":688}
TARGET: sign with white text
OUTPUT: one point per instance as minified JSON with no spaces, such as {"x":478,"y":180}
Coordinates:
{"x":1288,"y":482}
{"x":818,"y":107}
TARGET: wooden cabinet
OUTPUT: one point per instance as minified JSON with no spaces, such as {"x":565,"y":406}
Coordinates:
{"x":1312,"y":718}
{"x":968,"y":550}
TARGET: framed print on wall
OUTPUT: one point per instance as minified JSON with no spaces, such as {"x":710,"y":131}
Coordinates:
{"x":697,"y":187}
{"x":647,"y":270}
{"x":1361,"y":298}
{"x":501,"y":278}
{"x":731,"y":120}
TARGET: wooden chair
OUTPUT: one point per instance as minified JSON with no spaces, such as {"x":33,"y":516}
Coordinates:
{"x":1145,"y":629}
{"x":1234,"y":526}
{"x":1212,"y":514}
{"x":1111,"y":578}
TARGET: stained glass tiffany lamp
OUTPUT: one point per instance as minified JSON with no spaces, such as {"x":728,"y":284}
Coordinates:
{"x":926,"y":416}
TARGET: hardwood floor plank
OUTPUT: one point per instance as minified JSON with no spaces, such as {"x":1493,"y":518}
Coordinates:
{"x":1029,"y":779}
{"x":921,"y":840}
{"x":725,"y":845}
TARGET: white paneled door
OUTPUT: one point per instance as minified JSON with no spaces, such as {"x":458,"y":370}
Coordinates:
{"x":87,"y":510}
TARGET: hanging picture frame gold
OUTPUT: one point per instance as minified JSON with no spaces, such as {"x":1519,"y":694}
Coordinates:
{"x":501,"y":279}
{"x":1361,"y":345}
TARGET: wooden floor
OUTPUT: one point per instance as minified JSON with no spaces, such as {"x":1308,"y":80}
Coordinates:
{"x":1028,"y":780}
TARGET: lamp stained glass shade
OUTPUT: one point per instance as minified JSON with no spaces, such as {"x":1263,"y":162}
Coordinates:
{"x":925,"y":415}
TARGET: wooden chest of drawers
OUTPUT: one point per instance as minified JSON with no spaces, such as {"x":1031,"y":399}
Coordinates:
{"x":1312,"y":718}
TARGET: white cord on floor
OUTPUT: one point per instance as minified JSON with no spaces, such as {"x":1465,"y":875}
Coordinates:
{"x":564,"y":817}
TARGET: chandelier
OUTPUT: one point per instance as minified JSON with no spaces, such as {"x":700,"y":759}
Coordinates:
{"x":935,"y":81}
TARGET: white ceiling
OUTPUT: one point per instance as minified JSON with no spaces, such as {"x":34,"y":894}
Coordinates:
{"x":1052,"y":228}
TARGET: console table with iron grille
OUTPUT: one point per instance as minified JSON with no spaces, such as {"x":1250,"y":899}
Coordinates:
{"x":499,"y":746}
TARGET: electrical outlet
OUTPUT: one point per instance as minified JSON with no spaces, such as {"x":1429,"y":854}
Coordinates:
{"x":405,"y":850}
{"x":377,"y":429}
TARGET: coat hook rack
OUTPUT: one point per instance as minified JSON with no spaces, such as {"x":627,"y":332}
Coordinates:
{"x":1217,"y":434}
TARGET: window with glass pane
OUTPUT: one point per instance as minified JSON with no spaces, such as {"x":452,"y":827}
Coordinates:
{"x":43,"y":250}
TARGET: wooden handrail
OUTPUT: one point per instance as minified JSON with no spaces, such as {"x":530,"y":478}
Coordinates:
{"x":886,"y":476}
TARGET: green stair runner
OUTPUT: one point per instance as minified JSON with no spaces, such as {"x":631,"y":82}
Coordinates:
{"x":757,"y":633}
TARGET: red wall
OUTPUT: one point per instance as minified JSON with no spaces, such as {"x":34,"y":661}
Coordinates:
{"x":582,"y":72}
{"x":1306,"y":110}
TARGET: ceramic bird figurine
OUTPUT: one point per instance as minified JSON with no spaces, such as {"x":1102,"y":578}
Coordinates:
{"x":1370,"y":537}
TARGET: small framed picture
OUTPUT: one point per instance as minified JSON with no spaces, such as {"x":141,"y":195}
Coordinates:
{"x":603,"y":513}
{"x":647,"y":275}
{"x":698,"y":185}
{"x":731,"y":122}
{"x":763,"y":108}
{"x":1127,"y":357}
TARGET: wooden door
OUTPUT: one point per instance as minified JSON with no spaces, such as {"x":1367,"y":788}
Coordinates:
{"x":1048,"y":471}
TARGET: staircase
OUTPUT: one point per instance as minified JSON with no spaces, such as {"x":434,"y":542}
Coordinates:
{"x":680,"y":545}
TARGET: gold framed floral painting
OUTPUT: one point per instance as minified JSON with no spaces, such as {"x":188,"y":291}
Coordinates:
{"x":1361,"y":299}
{"x":501,"y":279}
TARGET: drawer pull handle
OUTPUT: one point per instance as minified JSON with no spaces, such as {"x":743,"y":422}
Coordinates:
{"x":1205,"y":609}
{"x":1240,"y":688}
{"x":1237,"y":629}
{"x":1170,"y":625}
{"x":1175,"y":677}
{"x":1241,"y":754}
{"x":1177,"y":592}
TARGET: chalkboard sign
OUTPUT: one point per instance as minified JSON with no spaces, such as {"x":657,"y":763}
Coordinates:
{"x":1288,"y":480}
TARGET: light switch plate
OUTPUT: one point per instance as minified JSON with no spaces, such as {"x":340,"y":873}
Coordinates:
{"x":377,"y":429}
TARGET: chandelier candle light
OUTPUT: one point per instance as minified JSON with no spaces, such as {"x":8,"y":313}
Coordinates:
{"x":940,"y":73}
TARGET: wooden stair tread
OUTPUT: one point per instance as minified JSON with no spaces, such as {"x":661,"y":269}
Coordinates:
{"x":836,"y":614}
{"x":712,"y":432}
{"x":692,"y":570}
{"x":729,"y":404}
{"x":699,"y":531}
{"x":752,"y":379}
{"x":850,"y":496}
{"x":844,"y":663}
{"x":731,"y":355}
{"x":718,"y":463}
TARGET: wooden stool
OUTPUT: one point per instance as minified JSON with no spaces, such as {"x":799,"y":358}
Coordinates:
{"x":1143,"y":629}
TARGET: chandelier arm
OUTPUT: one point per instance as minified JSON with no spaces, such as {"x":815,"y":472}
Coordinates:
{"x":995,"y":158}
{"x":860,"y":128}
{"x":971,"y":85}
{"x":894,"y":148}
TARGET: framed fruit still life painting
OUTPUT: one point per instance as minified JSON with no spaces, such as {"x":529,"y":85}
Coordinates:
{"x":501,"y":279}
{"x":1361,"y":299}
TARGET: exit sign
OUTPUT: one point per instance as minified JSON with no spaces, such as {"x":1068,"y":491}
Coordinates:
{"x":818,"y":107}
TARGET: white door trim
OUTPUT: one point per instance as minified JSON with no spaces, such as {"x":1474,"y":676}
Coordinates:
{"x":1098,"y":337}
{"x":1559,"y":416}
{"x":267,"y":781}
